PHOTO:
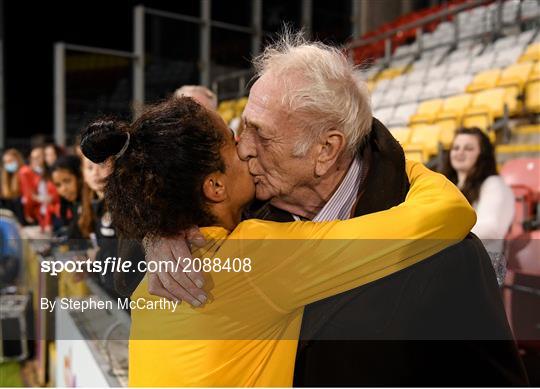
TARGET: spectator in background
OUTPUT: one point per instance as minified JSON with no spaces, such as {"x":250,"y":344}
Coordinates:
{"x":10,"y":192}
{"x":73,"y":215}
{"x":105,"y":239}
{"x":52,"y":152}
{"x":38,"y":193}
{"x":201,"y":94}
{"x":471,"y":166}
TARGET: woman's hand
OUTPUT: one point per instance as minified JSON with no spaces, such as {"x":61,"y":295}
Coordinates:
{"x":171,"y":281}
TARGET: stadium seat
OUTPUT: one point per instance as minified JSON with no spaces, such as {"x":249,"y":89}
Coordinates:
{"x":427,"y":112}
{"x":424,"y":138}
{"x":456,"y":85}
{"x":515,"y":75}
{"x":510,"y":11}
{"x":458,"y":55}
{"x":391,"y":98}
{"x":532,"y":53}
{"x":523,"y":176}
{"x":449,"y":118}
{"x":390,"y":73}
{"x":535,"y":72}
{"x":416,"y":155}
{"x":513,"y":79}
{"x":458,"y":67}
{"x":530,"y":8}
{"x":402,"y":134}
{"x":402,"y":114}
{"x":416,"y":77}
{"x":508,"y":57}
{"x":482,"y":62}
{"x":432,"y":90}
{"x":240,"y":105}
{"x":484,"y":80}
{"x":382,"y":85}
{"x":505,"y":43}
{"x":525,"y":37}
{"x":397,"y":82}
{"x":485,"y":107}
{"x":532,"y":96}
{"x":376,"y":99}
{"x":436,"y":72}
{"x":523,"y":172}
{"x":411,"y":94}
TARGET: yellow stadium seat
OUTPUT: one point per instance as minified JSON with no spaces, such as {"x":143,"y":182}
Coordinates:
{"x":402,"y":134}
{"x":415,"y":155}
{"x":485,"y":107}
{"x":227,"y":115}
{"x":449,"y":119}
{"x":517,"y":148}
{"x":513,"y":79}
{"x":532,"y":96}
{"x":240,"y":104}
{"x":427,"y":111}
{"x":484,"y":80}
{"x":531,"y":54}
{"x":424,"y":138}
{"x":225,"y":105}
{"x":390,"y":73}
{"x":515,"y":75}
{"x":535,"y":72}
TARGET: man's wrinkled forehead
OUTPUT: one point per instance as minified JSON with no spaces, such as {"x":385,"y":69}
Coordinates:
{"x":264,"y":99}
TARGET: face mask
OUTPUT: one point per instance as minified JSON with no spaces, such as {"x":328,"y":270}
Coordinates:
{"x":11,"y":167}
{"x":38,"y":170}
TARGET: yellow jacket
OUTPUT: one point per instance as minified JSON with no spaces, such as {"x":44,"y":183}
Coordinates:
{"x":247,"y":334}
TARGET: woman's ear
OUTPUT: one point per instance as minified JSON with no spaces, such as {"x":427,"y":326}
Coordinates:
{"x":214,"y":187}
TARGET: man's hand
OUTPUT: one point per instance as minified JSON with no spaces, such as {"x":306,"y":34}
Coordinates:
{"x":172,"y":282}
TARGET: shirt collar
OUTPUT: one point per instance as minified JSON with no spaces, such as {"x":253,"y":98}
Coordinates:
{"x":340,"y":205}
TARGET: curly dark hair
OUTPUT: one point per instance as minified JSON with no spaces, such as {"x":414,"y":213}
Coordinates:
{"x":484,"y":167}
{"x":155,"y":188}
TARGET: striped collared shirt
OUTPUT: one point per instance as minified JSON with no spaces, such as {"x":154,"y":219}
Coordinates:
{"x":341,"y":204}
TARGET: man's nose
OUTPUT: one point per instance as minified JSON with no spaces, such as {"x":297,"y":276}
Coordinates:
{"x":246,"y":146}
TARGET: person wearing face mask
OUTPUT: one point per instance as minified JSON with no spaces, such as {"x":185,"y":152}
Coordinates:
{"x":38,"y":193}
{"x":10,"y":195}
{"x":471,"y":166}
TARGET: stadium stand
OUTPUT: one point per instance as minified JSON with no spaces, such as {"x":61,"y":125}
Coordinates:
{"x":487,"y":78}
{"x":470,"y":70}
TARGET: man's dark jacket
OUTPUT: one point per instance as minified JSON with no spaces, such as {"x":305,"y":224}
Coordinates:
{"x":440,"y":322}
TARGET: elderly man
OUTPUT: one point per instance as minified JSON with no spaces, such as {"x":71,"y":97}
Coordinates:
{"x":315,"y":152}
{"x":201,"y":94}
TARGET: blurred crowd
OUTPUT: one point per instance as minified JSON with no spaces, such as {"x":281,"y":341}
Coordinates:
{"x":60,"y":191}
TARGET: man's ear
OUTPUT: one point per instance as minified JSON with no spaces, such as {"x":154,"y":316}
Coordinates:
{"x":214,"y":187}
{"x":331,"y":147}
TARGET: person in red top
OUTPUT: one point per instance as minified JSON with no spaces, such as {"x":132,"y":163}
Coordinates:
{"x":38,"y":193}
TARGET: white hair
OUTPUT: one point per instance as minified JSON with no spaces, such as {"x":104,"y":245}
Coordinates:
{"x":327,"y":93}
{"x":192,"y":90}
